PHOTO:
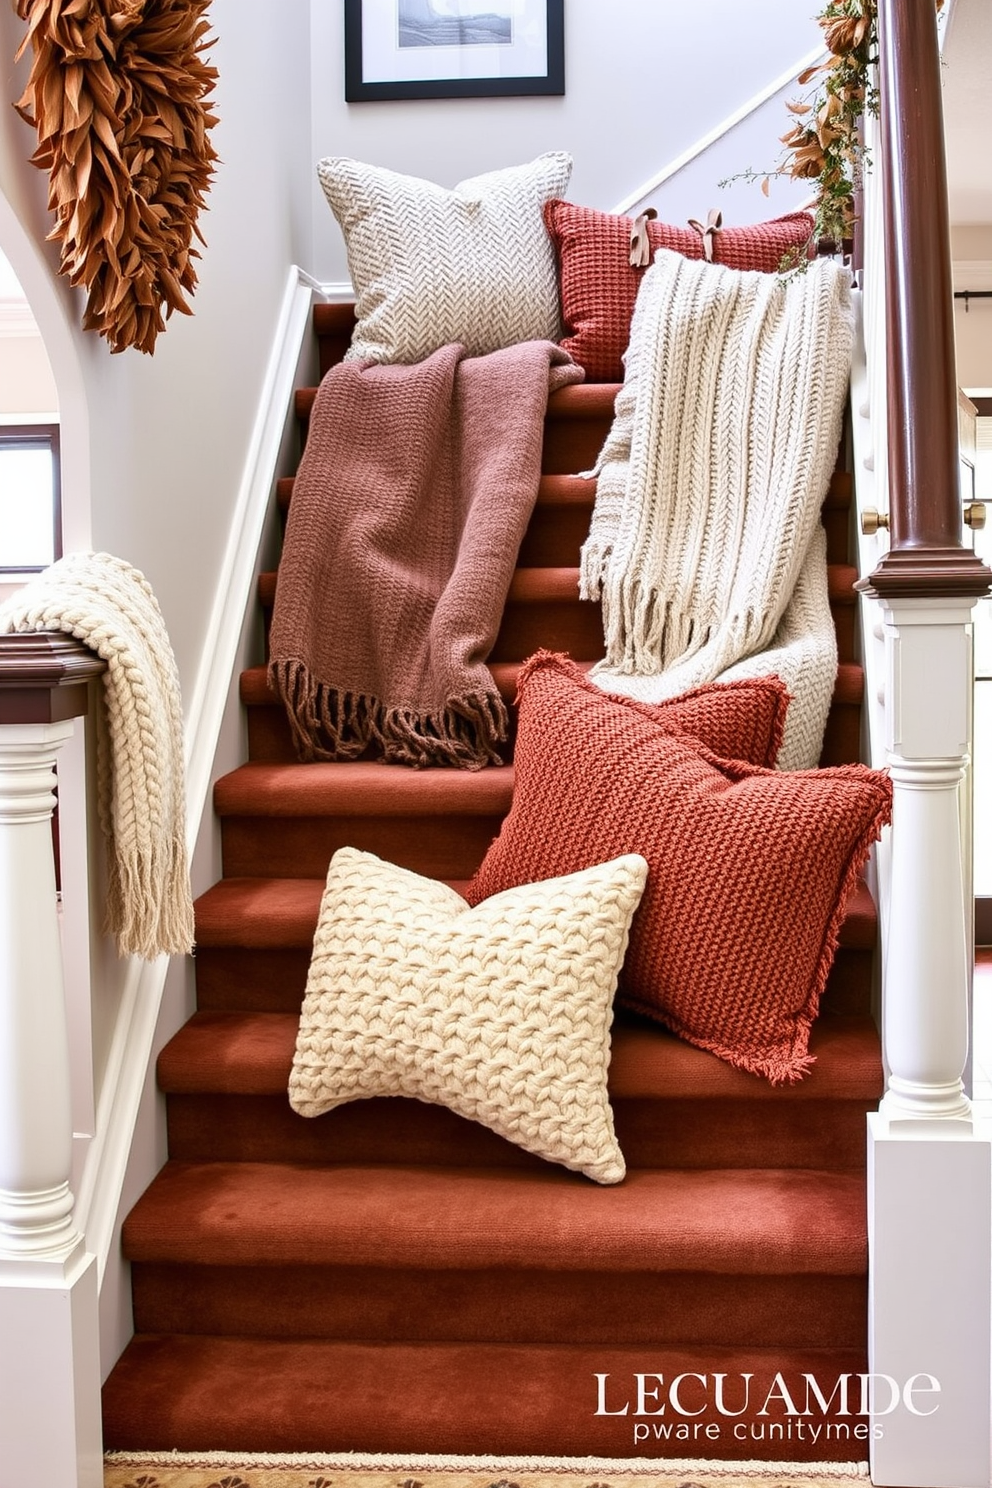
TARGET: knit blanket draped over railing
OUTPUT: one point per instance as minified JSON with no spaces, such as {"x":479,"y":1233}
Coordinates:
{"x":413,"y":494}
{"x":706,"y":546}
{"x":110,"y":607}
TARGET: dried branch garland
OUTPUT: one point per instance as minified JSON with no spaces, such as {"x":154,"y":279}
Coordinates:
{"x":824,"y":142}
{"x":120,"y":97}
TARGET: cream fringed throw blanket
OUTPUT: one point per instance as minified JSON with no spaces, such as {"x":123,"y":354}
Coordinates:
{"x":110,"y":607}
{"x":705,"y":544}
{"x":413,"y":494}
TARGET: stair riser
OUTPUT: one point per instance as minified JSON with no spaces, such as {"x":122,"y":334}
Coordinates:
{"x":576,"y":626}
{"x":558,"y":530}
{"x":366,"y":1303}
{"x":555,"y":536}
{"x":841,"y":738}
{"x":270,"y":740}
{"x":265,"y":1395}
{"x":652,"y":1133}
{"x":571,"y":445}
{"x":302,"y":847}
{"x":273,"y":980}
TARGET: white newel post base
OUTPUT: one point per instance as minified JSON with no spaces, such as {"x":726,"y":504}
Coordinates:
{"x":50,"y":1433}
{"x":929,"y":1174}
{"x":930,"y":1294}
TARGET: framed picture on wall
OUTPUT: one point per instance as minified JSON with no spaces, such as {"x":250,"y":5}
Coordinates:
{"x":453,"y":48}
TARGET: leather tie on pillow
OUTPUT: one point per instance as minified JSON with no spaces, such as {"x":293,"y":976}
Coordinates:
{"x":714,"y":221}
{"x":640,"y":243}
{"x":599,"y":286}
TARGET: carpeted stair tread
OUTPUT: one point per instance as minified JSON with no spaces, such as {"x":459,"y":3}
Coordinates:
{"x":269,"y":738}
{"x":561,"y":584}
{"x":255,"y":691}
{"x":262,"y":912}
{"x":361,"y":788}
{"x":247,"y":1053}
{"x":762,"y":1221}
{"x":584,"y":402}
{"x":566,"y":490}
{"x":558,"y":492}
{"x":191,"y":1393}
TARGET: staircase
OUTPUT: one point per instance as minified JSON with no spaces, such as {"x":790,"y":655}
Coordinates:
{"x":392,"y":1278}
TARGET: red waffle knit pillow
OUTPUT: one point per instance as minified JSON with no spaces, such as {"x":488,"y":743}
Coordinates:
{"x":744,"y":720}
{"x":599,"y":287}
{"x":750,"y":869}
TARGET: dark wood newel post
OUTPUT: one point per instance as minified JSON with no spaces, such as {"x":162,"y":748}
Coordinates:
{"x":926,"y":556}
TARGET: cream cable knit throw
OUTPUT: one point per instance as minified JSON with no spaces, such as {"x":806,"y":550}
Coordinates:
{"x":110,"y":607}
{"x":704,"y":543}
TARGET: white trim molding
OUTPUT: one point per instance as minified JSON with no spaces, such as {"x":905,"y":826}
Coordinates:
{"x":972,"y":273}
{"x":105,"y":1168}
{"x":634,"y":198}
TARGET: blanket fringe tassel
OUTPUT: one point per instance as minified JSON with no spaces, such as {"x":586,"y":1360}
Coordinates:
{"x":149,"y":910}
{"x":330,"y":723}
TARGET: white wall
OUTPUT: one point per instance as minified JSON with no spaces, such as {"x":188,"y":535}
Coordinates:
{"x":643,"y":82}
{"x":27,"y":388}
{"x":971,"y":249}
{"x":169,"y":432}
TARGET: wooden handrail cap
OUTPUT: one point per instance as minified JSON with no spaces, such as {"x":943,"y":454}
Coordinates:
{"x":928,"y":573}
{"x":44,"y":677}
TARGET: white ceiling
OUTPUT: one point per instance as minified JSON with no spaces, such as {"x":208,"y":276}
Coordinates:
{"x":967,"y":74}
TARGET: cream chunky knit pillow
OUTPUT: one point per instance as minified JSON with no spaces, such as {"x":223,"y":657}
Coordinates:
{"x":501,"y":1012}
{"x":430,"y":267}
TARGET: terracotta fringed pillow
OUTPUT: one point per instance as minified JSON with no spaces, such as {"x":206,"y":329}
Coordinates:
{"x":750,"y":869}
{"x":599,"y":286}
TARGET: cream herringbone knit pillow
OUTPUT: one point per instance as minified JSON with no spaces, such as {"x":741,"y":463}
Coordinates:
{"x":431,"y":267}
{"x":501,"y":1012}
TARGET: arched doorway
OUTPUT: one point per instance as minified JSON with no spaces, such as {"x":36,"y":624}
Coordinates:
{"x":30,"y":465}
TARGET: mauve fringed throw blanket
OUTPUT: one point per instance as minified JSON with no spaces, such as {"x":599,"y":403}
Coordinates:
{"x":413,"y":494}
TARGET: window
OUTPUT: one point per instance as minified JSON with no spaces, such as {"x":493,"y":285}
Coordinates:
{"x":30,"y":497}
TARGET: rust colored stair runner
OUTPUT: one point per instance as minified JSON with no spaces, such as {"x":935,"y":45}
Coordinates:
{"x":392,"y":1278}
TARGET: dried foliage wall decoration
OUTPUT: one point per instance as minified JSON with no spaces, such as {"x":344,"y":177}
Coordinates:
{"x":120,"y":97}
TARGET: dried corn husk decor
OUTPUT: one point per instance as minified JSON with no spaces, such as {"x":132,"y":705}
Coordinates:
{"x":120,"y":97}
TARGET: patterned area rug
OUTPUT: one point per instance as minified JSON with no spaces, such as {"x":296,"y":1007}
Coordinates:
{"x":215,"y":1470}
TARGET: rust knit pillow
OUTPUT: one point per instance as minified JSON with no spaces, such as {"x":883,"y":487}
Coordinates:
{"x":744,"y":719}
{"x":599,"y":287}
{"x":749,"y":874}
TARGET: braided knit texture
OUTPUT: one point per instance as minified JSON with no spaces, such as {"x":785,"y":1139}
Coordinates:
{"x":110,"y":607}
{"x":750,"y":869}
{"x":711,"y":481}
{"x":431,"y":267}
{"x":502,"y":1012}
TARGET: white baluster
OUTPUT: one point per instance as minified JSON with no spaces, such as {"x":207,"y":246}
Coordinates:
{"x":930,"y":1172}
{"x":925,"y":997}
{"x":49,"y":1359}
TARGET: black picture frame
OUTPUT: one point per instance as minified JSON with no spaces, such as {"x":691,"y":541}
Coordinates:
{"x":360,"y":89}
